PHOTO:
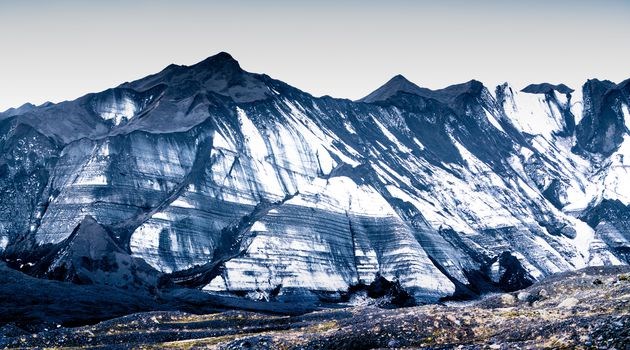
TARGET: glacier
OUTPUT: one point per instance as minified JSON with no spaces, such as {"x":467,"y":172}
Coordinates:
{"x":235,"y":183}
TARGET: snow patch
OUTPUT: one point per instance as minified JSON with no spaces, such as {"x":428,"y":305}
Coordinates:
{"x":92,"y":180}
{"x":258,"y":226}
{"x":160,"y":215}
{"x":349,"y":127}
{"x":582,"y":241}
{"x":391,"y":137}
{"x":326,"y":163}
{"x":420,"y":145}
{"x":533,"y":113}
{"x":104,"y":149}
{"x":4,"y":241}
{"x":182,"y":203}
{"x":577,"y":105}
{"x":626,"y":115}
{"x":493,"y":120}
{"x":253,"y":139}
{"x":119,"y":110}
{"x":616,"y":184}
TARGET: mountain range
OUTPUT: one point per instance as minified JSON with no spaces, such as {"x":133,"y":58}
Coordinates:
{"x":234,"y":183}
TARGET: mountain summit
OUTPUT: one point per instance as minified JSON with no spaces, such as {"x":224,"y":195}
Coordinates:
{"x":546,"y":88}
{"x":220,"y":73}
{"x":400,"y":84}
{"x":395,"y":85}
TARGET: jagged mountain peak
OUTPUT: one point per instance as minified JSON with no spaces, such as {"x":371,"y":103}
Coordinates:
{"x":399,"y":84}
{"x":27,"y":105}
{"x":472,"y":87}
{"x":604,"y":125}
{"x":220,"y":74}
{"x":18,"y":110}
{"x":606,"y":86}
{"x":401,"y":80}
{"x":624,"y":84}
{"x":220,"y":64}
{"x":546,"y":88}
{"x":150,"y":103}
{"x":597,"y":82}
{"x":222,"y":59}
{"x":396,"y":84}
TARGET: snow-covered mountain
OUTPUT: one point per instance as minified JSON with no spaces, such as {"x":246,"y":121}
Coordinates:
{"x":233,"y":182}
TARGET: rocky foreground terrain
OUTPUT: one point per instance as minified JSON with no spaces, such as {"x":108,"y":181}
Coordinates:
{"x":586,"y":309}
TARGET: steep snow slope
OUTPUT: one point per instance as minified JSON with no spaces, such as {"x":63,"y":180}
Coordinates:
{"x":234,"y":182}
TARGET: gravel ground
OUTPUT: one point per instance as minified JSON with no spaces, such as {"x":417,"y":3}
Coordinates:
{"x":587,"y":309}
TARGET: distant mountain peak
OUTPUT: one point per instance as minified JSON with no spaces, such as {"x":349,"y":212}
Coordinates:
{"x":399,"y":84}
{"x":222,"y":60}
{"x":27,"y":105}
{"x":545,"y":88}
{"x":472,"y":86}
{"x":396,"y":84}
{"x":223,"y":55}
{"x":219,"y":73}
{"x":19,"y":110}
{"x":400,"y":78}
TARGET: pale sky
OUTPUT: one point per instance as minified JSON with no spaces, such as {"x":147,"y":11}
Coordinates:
{"x":59,"y":50}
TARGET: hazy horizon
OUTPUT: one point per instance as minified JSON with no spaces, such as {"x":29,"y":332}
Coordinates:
{"x":62,"y":50}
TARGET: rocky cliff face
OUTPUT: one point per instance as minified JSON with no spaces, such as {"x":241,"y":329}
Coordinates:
{"x":233,"y":182}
